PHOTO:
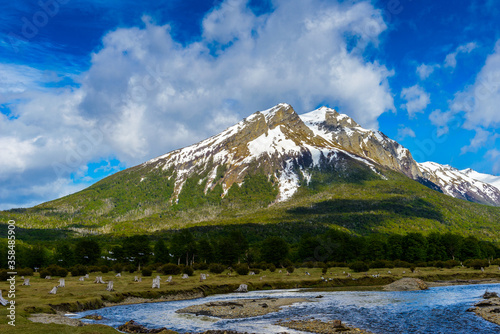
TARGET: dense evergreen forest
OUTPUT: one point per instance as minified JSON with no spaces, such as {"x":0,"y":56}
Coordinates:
{"x":253,"y":245}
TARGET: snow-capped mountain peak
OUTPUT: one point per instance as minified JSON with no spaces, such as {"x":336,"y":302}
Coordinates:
{"x":486,"y":178}
{"x":285,"y":146}
{"x":460,"y":184}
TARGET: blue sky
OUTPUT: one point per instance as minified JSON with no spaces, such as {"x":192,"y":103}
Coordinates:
{"x":88,"y":88}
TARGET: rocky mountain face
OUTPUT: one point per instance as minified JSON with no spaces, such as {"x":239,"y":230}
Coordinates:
{"x":486,"y":178}
{"x":287,"y":147}
{"x":460,"y":184}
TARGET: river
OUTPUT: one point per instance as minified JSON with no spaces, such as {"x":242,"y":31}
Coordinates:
{"x":436,"y":310}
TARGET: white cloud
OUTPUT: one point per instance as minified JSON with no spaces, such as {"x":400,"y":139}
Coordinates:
{"x":417,"y":99}
{"x":441,"y":119}
{"x":480,"y":101}
{"x":480,"y":139}
{"x":494,"y":156}
{"x":404,"y":132}
{"x":451,"y":59}
{"x":424,"y":71}
{"x":145,"y":94}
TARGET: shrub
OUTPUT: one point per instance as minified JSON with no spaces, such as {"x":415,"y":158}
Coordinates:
{"x":358,"y":266}
{"x":25,"y":272}
{"x":55,"y":270}
{"x":242,"y":269}
{"x":324,"y":269}
{"x":476,"y":264}
{"x":439,"y":264}
{"x":200,"y":266}
{"x":290,"y":269}
{"x":3,"y":275}
{"x":287,"y":263}
{"x":309,"y":264}
{"x":263,"y":265}
{"x":147,"y":272}
{"x":93,"y":269}
{"x":171,"y":269}
{"x":62,"y":272}
{"x":188,"y":271}
{"x":256,"y":271}
{"x":104,"y":269}
{"x":495,"y":262}
{"x":216,"y":268}
{"x":377,"y":264}
{"x":451,"y":264}
{"x":272,"y":268}
{"x":401,"y":264}
{"x":413,"y":268}
{"x":118,"y":268}
{"x":130,"y":268}
{"x":79,"y":270}
{"x":334,"y":264}
{"x":44,"y":273}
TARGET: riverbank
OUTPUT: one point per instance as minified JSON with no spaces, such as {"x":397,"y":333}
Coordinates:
{"x":241,"y":308}
{"x":489,"y":308}
{"x":321,"y":327}
{"x":84,"y":295}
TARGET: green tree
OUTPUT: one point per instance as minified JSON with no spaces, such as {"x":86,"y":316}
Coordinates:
{"x":206,"y":251}
{"x":415,"y":247}
{"x":395,"y":247}
{"x":435,"y":248}
{"x":375,"y":248}
{"x":63,"y":255}
{"x":87,"y":251}
{"x":161,"y":252}
{"x":183,"y":246}
{"x":137,"y":249}
{"x":452,"y":243}
{"x":470,"y":249}
{"x":274,"y":250}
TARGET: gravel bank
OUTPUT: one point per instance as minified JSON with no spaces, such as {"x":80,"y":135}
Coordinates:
{"x":406,"y":284}
{"x":317,"y":326}
{"x":488,"y":309}
{"x":58,"y":318}
{"x":241,"y":308}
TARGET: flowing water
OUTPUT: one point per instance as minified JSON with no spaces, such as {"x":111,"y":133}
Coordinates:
{"x":436,"y":310}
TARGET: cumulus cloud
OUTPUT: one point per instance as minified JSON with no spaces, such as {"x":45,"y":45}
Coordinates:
{"x":146,"y":94}
{"x":451,"y":59}
{"x":404,"y":132}
{"x":441,"y":119}
{"x":417,"y":99}
{"x":424,"y":71}
{"x":481,"y":100}
{"x":480,"y":139}
{"x":494,"y":156}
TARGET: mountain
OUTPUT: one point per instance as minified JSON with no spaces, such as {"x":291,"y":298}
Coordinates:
{"x":278,"y":167}
{"x":284,"y":145}
{"x":459,"y":184}
{"x":486,"y":178}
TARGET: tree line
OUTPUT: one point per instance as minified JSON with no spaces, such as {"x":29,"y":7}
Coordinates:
{"x":184,"y":247}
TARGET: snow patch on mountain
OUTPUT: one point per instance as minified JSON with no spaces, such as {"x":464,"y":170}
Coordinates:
{"x":486,"y":178}
{"x":458,"y":184}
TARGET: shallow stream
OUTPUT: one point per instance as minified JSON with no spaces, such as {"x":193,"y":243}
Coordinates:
{"x":436,"y":310}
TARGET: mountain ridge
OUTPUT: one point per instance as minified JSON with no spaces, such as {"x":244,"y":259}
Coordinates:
{"x":273,"y":166}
